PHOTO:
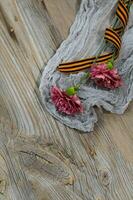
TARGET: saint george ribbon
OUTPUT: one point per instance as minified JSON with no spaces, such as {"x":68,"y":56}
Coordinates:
{"x":111,"y":35}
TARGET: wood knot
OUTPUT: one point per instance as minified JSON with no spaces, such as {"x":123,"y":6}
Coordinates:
{"x":104,"y":177}
{"x":93,"y":153}
{"x":11,"y":31}
{"x":69,"y":180}
{"x":43,"y":3}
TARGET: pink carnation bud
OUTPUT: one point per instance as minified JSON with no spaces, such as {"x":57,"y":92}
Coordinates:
{"x":64,"y":103}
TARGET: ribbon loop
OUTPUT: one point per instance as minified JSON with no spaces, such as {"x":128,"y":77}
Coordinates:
{"x":122,"y":13}
{"x":114,"y":38}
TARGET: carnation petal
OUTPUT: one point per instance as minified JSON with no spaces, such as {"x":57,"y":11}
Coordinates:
{"x":104,"y":77}
{"x":64,"y":103}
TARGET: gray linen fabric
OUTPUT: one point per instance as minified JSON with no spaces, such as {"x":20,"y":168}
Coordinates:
{"x":83,"y":41}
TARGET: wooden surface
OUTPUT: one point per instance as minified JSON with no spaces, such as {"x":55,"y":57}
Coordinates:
{"x":41,"y":159}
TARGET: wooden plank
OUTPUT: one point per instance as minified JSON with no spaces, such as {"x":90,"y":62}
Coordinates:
{"x":40,"y":158}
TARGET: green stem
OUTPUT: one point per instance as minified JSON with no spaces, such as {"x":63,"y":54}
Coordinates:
{"x":83,"y":78}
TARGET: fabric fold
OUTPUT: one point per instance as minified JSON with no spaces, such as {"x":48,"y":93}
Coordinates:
{"x":84,"y":39}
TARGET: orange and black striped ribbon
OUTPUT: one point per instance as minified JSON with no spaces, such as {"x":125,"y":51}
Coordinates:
{"x":112,"y":35}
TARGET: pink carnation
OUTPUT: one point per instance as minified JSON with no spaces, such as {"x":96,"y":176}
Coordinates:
{"x":105,"y":77}
{"x":64,"y":103}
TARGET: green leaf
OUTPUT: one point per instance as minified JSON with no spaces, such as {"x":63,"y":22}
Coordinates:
{"x":110,"y":65}
{"x":71,"y":91}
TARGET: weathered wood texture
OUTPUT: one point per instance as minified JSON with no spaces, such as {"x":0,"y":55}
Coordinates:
{"x":41,"y":159}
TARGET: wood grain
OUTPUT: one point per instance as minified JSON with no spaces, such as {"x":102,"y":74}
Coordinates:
{"x":41,"y":159}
